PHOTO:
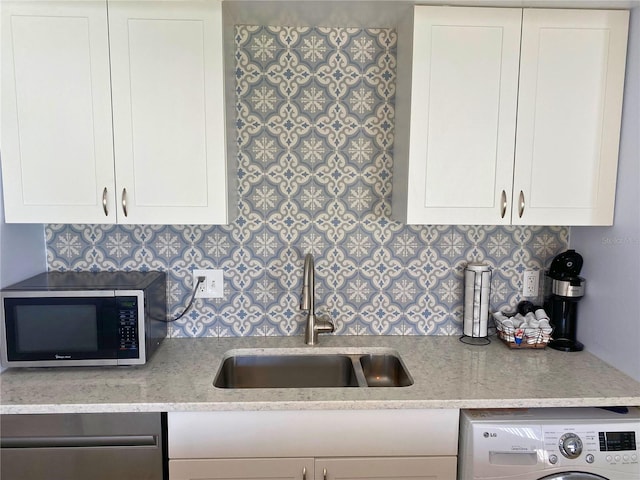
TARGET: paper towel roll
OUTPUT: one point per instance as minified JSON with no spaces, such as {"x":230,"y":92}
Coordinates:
{"x":477,"y":279}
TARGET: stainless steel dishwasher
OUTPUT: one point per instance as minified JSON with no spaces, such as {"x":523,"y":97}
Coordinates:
{"x":114,"y":446}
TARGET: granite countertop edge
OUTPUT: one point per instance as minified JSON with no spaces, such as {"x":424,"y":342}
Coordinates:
{"x":446,"y":374}
{"x":291,"y":406}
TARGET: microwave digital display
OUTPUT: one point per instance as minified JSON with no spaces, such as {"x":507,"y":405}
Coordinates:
{"x":62,"y":328}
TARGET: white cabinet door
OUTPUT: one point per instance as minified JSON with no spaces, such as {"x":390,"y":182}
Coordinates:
{"x":242,"y":469}
{"x":454,"y":150}
{"x":386,"y":468}
{"x":455,"y":161}
{"x":366,"y":468}
{"x":168,"y":112}
{"x":57,"y":153}
{"x":569,"y":110}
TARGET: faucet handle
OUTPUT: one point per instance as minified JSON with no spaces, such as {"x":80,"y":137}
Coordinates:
{"x":324,"y":325}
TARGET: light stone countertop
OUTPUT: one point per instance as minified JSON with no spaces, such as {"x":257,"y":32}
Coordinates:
{"x":446,"y":374}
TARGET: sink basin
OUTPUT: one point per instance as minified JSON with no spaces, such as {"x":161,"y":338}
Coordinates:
{"x":311,"y":370}
{"x":286,"y":371}
{"x":384,"y":370}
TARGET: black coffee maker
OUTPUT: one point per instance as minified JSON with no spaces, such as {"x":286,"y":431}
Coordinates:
{"x":563,"y":290}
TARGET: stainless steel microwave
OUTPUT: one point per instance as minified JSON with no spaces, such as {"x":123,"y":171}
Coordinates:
{"x":83,"y":318}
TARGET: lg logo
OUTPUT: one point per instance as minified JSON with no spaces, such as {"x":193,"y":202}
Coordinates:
{"x":490,"y":435}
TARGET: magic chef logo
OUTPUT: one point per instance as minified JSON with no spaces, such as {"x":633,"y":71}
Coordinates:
{"x":490,"y":435}
{"x":62,"y":357}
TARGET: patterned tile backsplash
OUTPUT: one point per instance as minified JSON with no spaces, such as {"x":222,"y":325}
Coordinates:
{"x":315,"y":117}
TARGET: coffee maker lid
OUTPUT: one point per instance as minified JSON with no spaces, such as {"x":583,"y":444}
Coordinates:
{"x":566,"y":265}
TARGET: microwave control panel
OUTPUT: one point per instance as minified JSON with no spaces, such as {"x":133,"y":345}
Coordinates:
{"x":128,"y":326}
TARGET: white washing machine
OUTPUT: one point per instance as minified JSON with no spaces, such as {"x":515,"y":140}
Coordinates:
{"x":550,"y":444}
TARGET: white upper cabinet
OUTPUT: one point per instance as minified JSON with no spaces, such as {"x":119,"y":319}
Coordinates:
{"x":464,"y":79}
{"x":569,"y":110}
{"x":155,"y":72}
{"x":57,"y":143}
{"x":456,"y":115}
{"x":168,"y":112}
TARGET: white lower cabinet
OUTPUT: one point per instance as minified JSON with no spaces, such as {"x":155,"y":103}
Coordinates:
{"x":240,"y":469}
{"x":314,"y":445}
{"x":385,"y":468}
{"x":418,"y":468}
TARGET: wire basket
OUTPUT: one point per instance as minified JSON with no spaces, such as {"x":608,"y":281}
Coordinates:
{"x":523,"y":337}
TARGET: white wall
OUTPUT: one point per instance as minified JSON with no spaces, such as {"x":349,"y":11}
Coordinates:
{"x":22,"y":249}
{"x":609,"y":314}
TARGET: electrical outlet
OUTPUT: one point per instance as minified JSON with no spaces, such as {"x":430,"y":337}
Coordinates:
{"x":213,"y":285}
{"x":530,"y":283}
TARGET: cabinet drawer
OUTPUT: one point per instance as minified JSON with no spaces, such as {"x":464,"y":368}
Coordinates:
{"x":313,"y":433}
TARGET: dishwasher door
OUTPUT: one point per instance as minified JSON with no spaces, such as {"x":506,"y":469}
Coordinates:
{"x":114,"y":446}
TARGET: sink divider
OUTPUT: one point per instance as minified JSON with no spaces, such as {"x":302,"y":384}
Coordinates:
{"x":357,"y":368}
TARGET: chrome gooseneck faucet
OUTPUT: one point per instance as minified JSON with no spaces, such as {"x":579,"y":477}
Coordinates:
{"x":315,"y":325}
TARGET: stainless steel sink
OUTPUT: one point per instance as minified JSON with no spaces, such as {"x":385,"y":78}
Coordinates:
{"x":311,"y":370}
{"x":286,"y":371}
{"x":384,"y":370}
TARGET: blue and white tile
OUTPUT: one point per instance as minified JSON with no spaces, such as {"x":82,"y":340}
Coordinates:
{"x":315,"y":132}
{"x":313,"y":47}
{"x":262,"y":44}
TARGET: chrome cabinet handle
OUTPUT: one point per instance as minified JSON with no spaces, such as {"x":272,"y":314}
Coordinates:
{"x":324,"y":474}
{"x":503,"y":210}
{"x":104,"y":202}
{"x":124,"y":201}
{"x":521,"y":208}
{"x":304,"y":473}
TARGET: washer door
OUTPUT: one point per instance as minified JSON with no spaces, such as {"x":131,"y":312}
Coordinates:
{"x":574,"y":476}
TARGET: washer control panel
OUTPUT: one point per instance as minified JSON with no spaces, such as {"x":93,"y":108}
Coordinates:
{"x":591,"y":445}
